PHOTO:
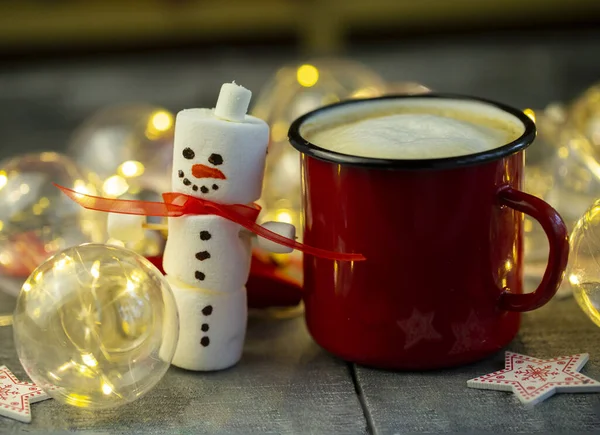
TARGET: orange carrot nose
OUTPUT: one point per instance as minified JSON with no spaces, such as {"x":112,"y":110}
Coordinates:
{"x":203,"y":171}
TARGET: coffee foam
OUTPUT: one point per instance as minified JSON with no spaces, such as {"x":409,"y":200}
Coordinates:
{"x":412,"y":128}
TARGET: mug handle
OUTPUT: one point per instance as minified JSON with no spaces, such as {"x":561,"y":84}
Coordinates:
{"x":558,"y":239}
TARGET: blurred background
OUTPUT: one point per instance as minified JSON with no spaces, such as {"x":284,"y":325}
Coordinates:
{"x":62,"y":60}
{"x":99,"y":81}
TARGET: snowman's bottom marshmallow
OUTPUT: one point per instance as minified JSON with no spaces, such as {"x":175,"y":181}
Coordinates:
{"x":212,"y":327}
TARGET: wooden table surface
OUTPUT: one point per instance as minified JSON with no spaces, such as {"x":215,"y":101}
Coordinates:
{"x":286,"y":384}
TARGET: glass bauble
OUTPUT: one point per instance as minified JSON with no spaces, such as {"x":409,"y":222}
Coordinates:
{"x":293,"y":91}
{"x":128,"y":147}
{"x":153,"y":243}
{"x":36,"y":219}
{"x":96,"y":326}
{"x":583,"y":272}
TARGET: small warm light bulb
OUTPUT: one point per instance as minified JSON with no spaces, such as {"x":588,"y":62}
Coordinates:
{"x":162,"y":121}
{"x":26,"y":287}
{"x":137,"y":276}
{"x":80,"y":186}
{"x":573,"y":279}
{"x":62,"y":263}
{"x":66,"y":366}
{"x":563,"y":152}
{"x":307,"y":75}
{"x":95,"y":270}
{"x":3,"y":179}
{"x":5,"y":258}
{"x":530,"y":113}
{"x":106,"y":389}
{"x":115,"y":186}
{"x":89,"y":360}
{"x":131,"y":168}
{"x":283,"y":216}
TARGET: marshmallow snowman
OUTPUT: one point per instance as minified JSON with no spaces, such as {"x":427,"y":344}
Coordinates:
{"x":219,"y":155}
{"x":218,"y":165}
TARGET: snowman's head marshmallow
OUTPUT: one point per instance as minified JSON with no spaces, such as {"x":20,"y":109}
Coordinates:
{"x":219,"y":154}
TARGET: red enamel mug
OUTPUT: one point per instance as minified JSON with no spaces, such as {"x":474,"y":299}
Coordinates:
{"x":443,"y":239}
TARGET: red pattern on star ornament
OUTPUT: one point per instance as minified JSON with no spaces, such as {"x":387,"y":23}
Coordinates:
{"x":16,"y":396}
{"x":418,"y":328}
{"x":533,"y":380}
{"x":542,"y":373}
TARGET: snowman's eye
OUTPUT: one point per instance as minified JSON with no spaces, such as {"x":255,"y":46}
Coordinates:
{"x":188,"y":153}
{"x":216,"y":159}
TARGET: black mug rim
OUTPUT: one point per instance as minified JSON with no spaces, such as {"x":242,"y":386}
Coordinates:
{"x":312,"y":150}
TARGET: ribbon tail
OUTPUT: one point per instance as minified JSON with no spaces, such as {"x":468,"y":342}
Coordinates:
{"x":277,"y":238}
{"x":317,"y":252}
{"x":122,"y":206}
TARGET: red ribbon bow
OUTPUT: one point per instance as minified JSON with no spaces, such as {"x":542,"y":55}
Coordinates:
{"x":180,"y":204}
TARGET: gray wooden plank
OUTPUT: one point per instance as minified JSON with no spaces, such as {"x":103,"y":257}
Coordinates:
{"x":285,"y":384}
{"x":439,"y":401}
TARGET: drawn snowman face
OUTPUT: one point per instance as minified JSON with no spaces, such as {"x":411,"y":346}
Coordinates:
{"x":218,"y":160}
{"x":203,"y":177}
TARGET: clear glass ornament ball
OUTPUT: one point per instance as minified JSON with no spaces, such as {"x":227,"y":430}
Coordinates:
{"x":96,"y":326}
{"x":128,"y":147}
{"x":153,"y":243}
{"x":585,"y":115}
{"x":292,"y":91}
{"x":583,"y":272}
{"x":37,"y":219}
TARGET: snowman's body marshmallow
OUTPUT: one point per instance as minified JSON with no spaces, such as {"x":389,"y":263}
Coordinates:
{"x":208,"y":252}
{"x":219,"y":155}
